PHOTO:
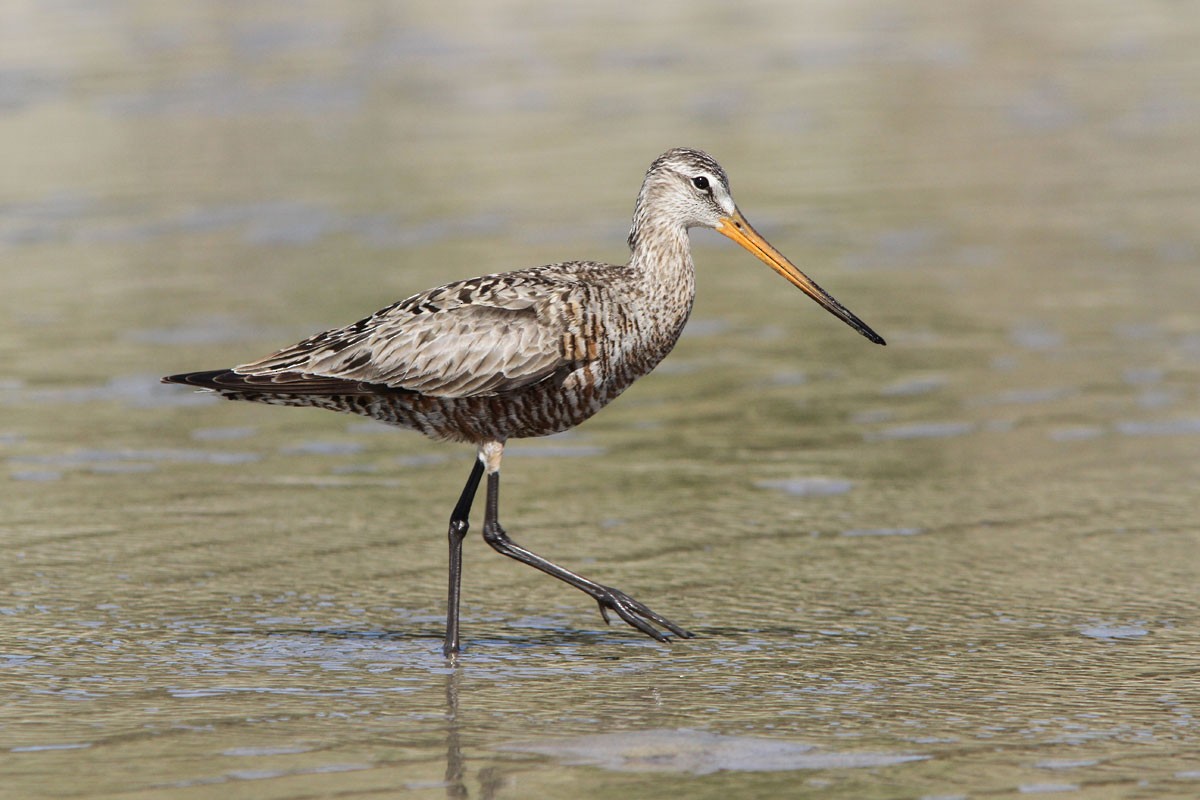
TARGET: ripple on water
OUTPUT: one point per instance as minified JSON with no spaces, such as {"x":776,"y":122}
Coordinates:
{"x":1024,"y":396}
{"x":36,"y":475}
{"x":1066,"y":763}
{"x":247,"y":752}
{"x":221,"y":95}
{"x":789,"y":377}
{"x":1076,"y":433}
{"x":319,"y":448}
{"x":1158,"y":398}
{"x":290,"y":223}
{"x":883,"y":532}
{"x":41,"y":748}
{"x":1044,"y":108}
{"x":144,"y":390}
{"x":808,"y":487}
{"x":1047,"y":788}
{"x":1164,"y":427}
{"x":1108,"y":633}
{"x":1142,"y":376}
{"x":705,"y":327}
{"x":49,"y":219}
{"x":895,"y":248}
{"x":698,"y":753}
{"x":1036,"y":337}
{"x":268,"y":774}
{"x":420,"y":460}
{"x":223,"y":434}
{"x":92,"y":458}
{"x":923,"y":430}
{"x":370,"y":427}
{"x":915,"y":386}
{"x":872,"y":416}
{"x":557,"y":451}
{"x":211,"y":329}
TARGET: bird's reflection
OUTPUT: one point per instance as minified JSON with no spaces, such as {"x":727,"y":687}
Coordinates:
{"x":456,"y":788}
{"x":490,"y":778}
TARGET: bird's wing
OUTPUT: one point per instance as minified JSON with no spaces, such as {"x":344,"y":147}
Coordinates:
{"x":470,"y":338}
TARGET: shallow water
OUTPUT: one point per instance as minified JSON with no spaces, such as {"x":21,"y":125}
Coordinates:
{"x":963,"y":565}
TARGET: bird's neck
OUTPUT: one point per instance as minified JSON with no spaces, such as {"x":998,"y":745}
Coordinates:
{"x":661,"y":252}
{"x":661,"y":258}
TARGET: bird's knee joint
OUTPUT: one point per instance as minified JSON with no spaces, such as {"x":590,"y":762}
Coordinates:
{"x":494,"y":535}
{"x":458,"y":528}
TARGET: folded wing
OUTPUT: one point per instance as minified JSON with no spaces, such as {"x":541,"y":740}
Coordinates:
{"x":457,"y":341}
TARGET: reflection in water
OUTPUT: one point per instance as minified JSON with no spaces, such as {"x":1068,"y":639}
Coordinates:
{"x":456,"y":787}
{"x":490,"y":777}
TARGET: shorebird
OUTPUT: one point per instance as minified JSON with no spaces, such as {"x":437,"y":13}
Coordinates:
{"x":525,"y":353}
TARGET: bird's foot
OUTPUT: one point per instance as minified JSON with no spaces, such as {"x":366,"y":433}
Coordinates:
{"x":636,"y":614}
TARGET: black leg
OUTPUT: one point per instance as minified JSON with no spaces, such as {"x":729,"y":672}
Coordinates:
{"x":458,"y":530}
{"x":609,"y":599}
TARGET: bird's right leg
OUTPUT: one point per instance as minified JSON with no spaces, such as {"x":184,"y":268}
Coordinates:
{"x":458,"y":531}
{"x":609,"y":599}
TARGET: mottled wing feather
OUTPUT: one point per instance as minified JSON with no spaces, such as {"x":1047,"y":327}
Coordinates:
{"x":470,"y":338}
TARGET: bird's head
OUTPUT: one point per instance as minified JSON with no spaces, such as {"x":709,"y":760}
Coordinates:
{"x":688,"y":188}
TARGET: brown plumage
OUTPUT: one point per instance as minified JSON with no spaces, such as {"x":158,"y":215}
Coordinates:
{"x":524,"y":353}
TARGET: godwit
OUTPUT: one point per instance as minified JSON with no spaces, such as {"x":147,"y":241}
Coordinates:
{"x":524,"y":353}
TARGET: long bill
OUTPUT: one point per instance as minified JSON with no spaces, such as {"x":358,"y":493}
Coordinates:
{"x":737,"y":228}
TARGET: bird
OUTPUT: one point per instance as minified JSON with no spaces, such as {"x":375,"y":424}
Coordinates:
{"x":526,"y":353}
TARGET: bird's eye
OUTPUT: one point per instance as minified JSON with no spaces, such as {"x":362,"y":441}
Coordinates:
{"x":700,"y":182}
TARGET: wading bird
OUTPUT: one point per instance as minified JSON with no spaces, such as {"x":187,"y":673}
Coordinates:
{"x":524,"y":353}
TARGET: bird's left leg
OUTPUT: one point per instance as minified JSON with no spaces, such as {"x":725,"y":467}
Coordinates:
{"x":609,"y":599}
{"x":458,"y":531}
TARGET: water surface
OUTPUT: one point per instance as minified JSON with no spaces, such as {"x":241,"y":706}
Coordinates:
{"x":963,"y":565}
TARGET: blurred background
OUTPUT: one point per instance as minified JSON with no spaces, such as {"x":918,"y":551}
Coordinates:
{"x":962,"y":564}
